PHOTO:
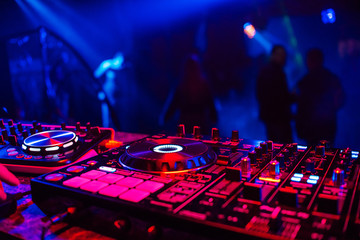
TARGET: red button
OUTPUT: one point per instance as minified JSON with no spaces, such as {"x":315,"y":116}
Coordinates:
{"x":13,"y":153}
{"x":54,"y":177}
{"x":75,"y":169}
{"x":93,"y":186}
{"x":113,"y":190}
{"x":76,"y":182}
{"x":93,"y":174}
{"x":92,"y":163}
{"x":134,"y":195}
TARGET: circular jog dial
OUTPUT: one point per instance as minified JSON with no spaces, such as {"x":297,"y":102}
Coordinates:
{"x":50,"y":142}
{"x":167,"y":156}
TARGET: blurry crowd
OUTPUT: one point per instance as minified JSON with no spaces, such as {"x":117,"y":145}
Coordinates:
{"x":317,"y":97}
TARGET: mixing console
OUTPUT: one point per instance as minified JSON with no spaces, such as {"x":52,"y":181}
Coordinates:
{"x":37,"y":148}
{"x":165,"y":187}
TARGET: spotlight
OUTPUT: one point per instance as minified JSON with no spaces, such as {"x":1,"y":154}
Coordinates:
{"x":249,"y":30}
{"x":328,"y":16}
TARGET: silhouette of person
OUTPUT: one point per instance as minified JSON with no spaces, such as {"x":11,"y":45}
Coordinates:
{"x":274,"y":98}
{"x":319,"y":96}
{"x":193,"y":98}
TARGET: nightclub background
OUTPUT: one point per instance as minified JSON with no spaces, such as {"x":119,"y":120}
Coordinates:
{"x":117,"y":63}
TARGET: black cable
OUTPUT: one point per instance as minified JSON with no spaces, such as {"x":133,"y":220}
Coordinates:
{"x":55,"y":219}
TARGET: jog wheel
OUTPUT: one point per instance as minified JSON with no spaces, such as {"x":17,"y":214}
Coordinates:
{"x":167,"y":156}
{"x":50,"y":142}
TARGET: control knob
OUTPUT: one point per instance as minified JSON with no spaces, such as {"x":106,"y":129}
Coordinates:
{"x":235,"y":136}
{"x":320,"y":151}
{"x":180,"y":132}
{"x":338,"y":177}
{"x":196,"y":132}
{"x":274,"y":168}
{"x":215,"y":134}
{"x":245,"y":165}
{"x":310,"y":165}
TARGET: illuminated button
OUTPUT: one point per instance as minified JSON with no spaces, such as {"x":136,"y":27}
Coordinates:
{"x":299,"y":175}
{"x":110,"y":178}
{"x":142,"y":176}
{"x":11,"y":149}
{"x":93,"y":186}
{"x":76,"y":182}
{"x":302,"y":147}
{"x":93,"y":174}
{"x":303,"y":215}
{"x":48,"y":156}
{"x":52,"y":148}
{"x":107,"y":169}
{"x":54,"y":177}
{"x":129,"y":182}
{"x":161,"y":179}
{"x":134,"y":195}
{"x":20,"y":156}
{"x":27,"y":157}
{"x":124,"y":172}
{"x":113,"y":190}
{"x":312,"y":181}
{"x":24,"y":147}
{"x":75,"y":169}
{"x":92,"y":163}
{"x":313,"y":177}
{"x":295,"y":179}
{"x":34,"y":149}
{"x":113,"y":144}
{"x":150,"y":186}
{"x":14,"y":153}
{"x":66,"y":145}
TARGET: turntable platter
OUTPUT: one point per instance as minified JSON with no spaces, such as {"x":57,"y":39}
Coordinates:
{"x":168,"y":155}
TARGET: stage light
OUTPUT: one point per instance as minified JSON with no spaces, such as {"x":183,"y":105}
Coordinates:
{"x":328,"y":16}
{"x":249,"y":30}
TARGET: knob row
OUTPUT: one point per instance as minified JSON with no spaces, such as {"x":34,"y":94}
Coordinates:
{"x":215,"y":134}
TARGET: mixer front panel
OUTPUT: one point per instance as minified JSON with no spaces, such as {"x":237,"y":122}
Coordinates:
{"x":210,"y":188}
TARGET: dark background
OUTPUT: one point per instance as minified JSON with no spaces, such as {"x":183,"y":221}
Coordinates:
{"x":156,"y":35}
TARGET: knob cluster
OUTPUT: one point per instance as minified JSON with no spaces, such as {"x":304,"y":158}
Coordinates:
{"x":215,"y":133}
{"x":15,"y":133}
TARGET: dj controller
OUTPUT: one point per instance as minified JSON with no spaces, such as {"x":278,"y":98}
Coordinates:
{"x":198,"y":187}
{"x":37,"y":148}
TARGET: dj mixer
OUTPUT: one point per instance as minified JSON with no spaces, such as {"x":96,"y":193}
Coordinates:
{"x":37,"y":148}
{"x":196,"y":187}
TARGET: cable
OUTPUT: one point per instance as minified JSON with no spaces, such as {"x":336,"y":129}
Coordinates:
{"x":55,"y":219}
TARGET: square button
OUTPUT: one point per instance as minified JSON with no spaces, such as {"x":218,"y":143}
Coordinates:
{"x":129,"y":182}
{"x":75,"y":182}
{"x":93,"y":174}
{"x":134,"y":195}
{"x":110,"y":178}
{"x":93,"y":186}
{"x":113,"y":190}
{"x":150,"y":186}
